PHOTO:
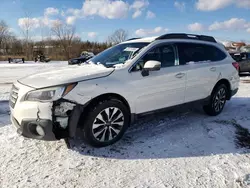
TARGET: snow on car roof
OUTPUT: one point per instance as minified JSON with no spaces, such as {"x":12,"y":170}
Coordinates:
{"x":146,"y":39}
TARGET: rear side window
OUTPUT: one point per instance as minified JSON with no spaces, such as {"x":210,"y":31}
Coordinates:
{"x":215,"y":54}
{"x":191,"y":52}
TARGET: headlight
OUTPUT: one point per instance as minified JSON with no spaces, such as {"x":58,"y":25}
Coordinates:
{"x":49,"y":94}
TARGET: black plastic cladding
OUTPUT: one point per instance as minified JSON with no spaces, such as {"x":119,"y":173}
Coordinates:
{"x":187,"y":36}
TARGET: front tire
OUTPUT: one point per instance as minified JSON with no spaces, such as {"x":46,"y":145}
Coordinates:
{"x":106,"y":123}
{"x":217,"y":101}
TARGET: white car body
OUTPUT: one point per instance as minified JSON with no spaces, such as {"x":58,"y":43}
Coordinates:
{"x":167,"y":87}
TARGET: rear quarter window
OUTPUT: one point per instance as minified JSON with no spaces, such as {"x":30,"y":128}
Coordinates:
{"x":193,"y":52}
{"x":215,"y":53}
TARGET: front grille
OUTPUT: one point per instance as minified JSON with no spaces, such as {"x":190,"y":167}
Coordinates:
{"x":13,"y":96}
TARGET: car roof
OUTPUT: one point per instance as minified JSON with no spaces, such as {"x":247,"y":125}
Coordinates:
{"x":145,"y":39}
{"x":180,"y":37}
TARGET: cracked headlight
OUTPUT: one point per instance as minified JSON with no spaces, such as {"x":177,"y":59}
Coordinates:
{"x":49,"y":94}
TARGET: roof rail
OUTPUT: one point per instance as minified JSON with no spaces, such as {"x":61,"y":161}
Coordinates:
{"x":186,"y":36}
{"x":133,"y":39}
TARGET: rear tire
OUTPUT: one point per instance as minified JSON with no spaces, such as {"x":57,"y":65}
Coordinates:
{"x":217,"y":101}
{"x":106,"y":123}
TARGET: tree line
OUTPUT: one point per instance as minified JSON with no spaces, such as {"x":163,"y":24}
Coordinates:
{"x":63,"y":43}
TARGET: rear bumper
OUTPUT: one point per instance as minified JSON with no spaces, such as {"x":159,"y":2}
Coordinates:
{"x":27,"y":128}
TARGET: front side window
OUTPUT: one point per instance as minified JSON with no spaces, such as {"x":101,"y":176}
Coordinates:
{"x":164,"y":54}
{"x":118,"y":54}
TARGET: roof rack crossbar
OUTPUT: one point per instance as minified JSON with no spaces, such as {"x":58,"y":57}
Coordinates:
{"x":187,"y":36}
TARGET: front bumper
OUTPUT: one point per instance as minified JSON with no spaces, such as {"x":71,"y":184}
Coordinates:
{"x":63,"y":122}
{"x":28,"y":129}
{"x":55,"y":120}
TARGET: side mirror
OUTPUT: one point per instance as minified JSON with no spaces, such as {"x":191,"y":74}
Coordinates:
{"x":151,"y":66}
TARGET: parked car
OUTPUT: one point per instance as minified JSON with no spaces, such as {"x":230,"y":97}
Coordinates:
{"x":243,"y":59}
{"x":42,"y":58}
{"x":104,"y":96}
{"x":83,"y":58}
{"x":245,"y":49}
{"x":16,"y":60}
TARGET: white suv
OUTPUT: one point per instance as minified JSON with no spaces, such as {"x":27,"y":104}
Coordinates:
{"x":103,"y":96}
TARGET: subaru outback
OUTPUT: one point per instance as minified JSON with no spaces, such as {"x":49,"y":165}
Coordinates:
{"x":104,"y":95}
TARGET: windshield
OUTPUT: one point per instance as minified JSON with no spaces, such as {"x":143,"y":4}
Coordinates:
{"x":118,"y":54}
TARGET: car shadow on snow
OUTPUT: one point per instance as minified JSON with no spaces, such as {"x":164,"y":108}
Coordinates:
{"x":187,"y":132}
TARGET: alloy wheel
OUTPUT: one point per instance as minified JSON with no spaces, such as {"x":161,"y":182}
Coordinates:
{"x":219,"y":100}
{"x":108,"y":124}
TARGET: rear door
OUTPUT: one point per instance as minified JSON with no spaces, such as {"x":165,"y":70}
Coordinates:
{"x":202,"y":68}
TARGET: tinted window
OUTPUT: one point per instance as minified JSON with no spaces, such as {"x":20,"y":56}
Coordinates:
{"x":165,"y":54}
{"x":154,"y":54}
{"x":190,"y":52}
{"x":215,"y":54}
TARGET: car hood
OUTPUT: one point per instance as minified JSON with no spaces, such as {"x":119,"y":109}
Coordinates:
{"x":64,"y":75}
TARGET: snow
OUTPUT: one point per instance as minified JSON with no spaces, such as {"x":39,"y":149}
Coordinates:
{"x":12,"y":72}
{"x":185,"y":148}
{"x":21,"y":70}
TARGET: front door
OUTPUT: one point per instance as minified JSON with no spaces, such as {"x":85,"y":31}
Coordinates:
{"x":160,"y":89}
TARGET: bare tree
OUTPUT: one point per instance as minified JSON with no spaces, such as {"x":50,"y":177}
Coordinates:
{"x":4,"y":31}
{"x":65,"y":35}
{"x":6,"y":38}
{"x":27,"y":25}
{"x":118,"y":36}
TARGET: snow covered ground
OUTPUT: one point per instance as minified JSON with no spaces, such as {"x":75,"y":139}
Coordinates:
{"x":185,"y":148}
{"x":11,"y":72}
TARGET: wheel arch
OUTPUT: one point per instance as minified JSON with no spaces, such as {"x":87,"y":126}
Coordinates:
{"x":227,"y":84}
{"x":106,"y":96}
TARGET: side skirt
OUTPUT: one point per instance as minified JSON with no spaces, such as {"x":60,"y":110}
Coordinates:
{"x":135,"y":117}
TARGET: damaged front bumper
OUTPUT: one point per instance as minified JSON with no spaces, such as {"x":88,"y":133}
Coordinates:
{"x":46,"y":121}
{"x":31,"y":128}
{"x":43,"y":120}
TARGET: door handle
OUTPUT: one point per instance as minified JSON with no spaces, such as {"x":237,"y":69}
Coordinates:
{"x":213,"y":69}
{"x":180,"y":75}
